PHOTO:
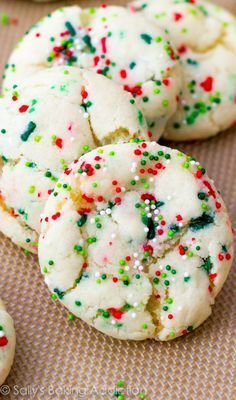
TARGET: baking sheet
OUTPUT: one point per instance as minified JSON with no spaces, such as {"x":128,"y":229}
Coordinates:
{"x":61,"y":359}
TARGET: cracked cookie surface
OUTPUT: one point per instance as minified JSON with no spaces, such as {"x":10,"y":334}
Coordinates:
{"x":112,"y":41}
{"x":7,"y":343}
{"x":205,"y":37}
{"x":136,"y":241}
{"x":56,"y":117}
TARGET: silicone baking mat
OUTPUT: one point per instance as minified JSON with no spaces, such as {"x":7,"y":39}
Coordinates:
{"x":61,"y":359}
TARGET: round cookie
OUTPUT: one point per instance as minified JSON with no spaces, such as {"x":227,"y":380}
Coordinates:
{"x":205,"y":37}
{"x":7,"y":343}
{"x":57,"y":116}
{"x":120,"y":45}
{"x":137,"y":242}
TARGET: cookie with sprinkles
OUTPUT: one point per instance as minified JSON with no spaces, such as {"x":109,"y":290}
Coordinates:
{"x":137,"y":242}
{"x":7,"y":343}
{"x":205,"y":37}
{"x":60,"y":114}
{"x":112,"y":41}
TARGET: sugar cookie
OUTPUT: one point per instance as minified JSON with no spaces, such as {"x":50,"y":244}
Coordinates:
{"x":57,"y":116}
{"x":113,"y":42}
{"x":137,"y":242}
{"x":205,"y":37}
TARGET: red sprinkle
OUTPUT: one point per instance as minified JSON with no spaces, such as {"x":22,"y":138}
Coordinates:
{"x":3,"y":341}
{"x":115,"y":313}
{"x":23,"y":108}
{"x":123,"y":73}
{"x":182,"y":49}
{"x":59,"y":143}
{"x":177,"y":16}
{"x":207,"y":85}
{"x":103,"y":43}
{"x":199,"y":174}
{"x":88,"y":199}
{"x":166,"y":82}
{"x":56,"y":216}
{"x":84,"y":94}
{"x":181,"y":250}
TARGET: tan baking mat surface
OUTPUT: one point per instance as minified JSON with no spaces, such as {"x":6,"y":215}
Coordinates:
{"x":57,"y":359}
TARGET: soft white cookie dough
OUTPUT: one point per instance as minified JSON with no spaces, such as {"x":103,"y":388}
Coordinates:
{"x":205,"y":37}
{"x":137,"y":241}
{"x":54,"y":118}
{"x":112,"y":41}
{"x":7,"y":343}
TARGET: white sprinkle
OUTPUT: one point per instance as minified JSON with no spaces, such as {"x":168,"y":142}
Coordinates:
{"x":151,"y":179}
{"x":153,"y":206}
{"x":180,"y":224}
{"x":135,"y":304}
{"x":102,"y":212}
{"x":136,"y":178}
{"x":184,"y":257}
{"x":113,"y":235}
{"x":137,"y":262}
{"x":133,"y":315}
{"x":97,"y":274}
{"x":135,"y":255}
{"x":84,"y":174}
{"x":108,"y":211}
{"x":92,"y":220}
{"x":127,"y":268}
{"x":169,"y":197}
{"x":140,"y":268}
{"x":149,"y":215}
{"x":147,"y":201}
{"x":113,"y":322}
{"x":146,"y":229}
{"x":156,"y":212}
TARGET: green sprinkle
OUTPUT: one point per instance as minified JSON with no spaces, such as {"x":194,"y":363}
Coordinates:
{"x":82,"y":220}
{"x":106,"y":314}
{"x":147,"y":38}
{"x":71,"y":317}
{"x":30,"y":129}
{"x":70,"y":28}
{"x":31,"y":189}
